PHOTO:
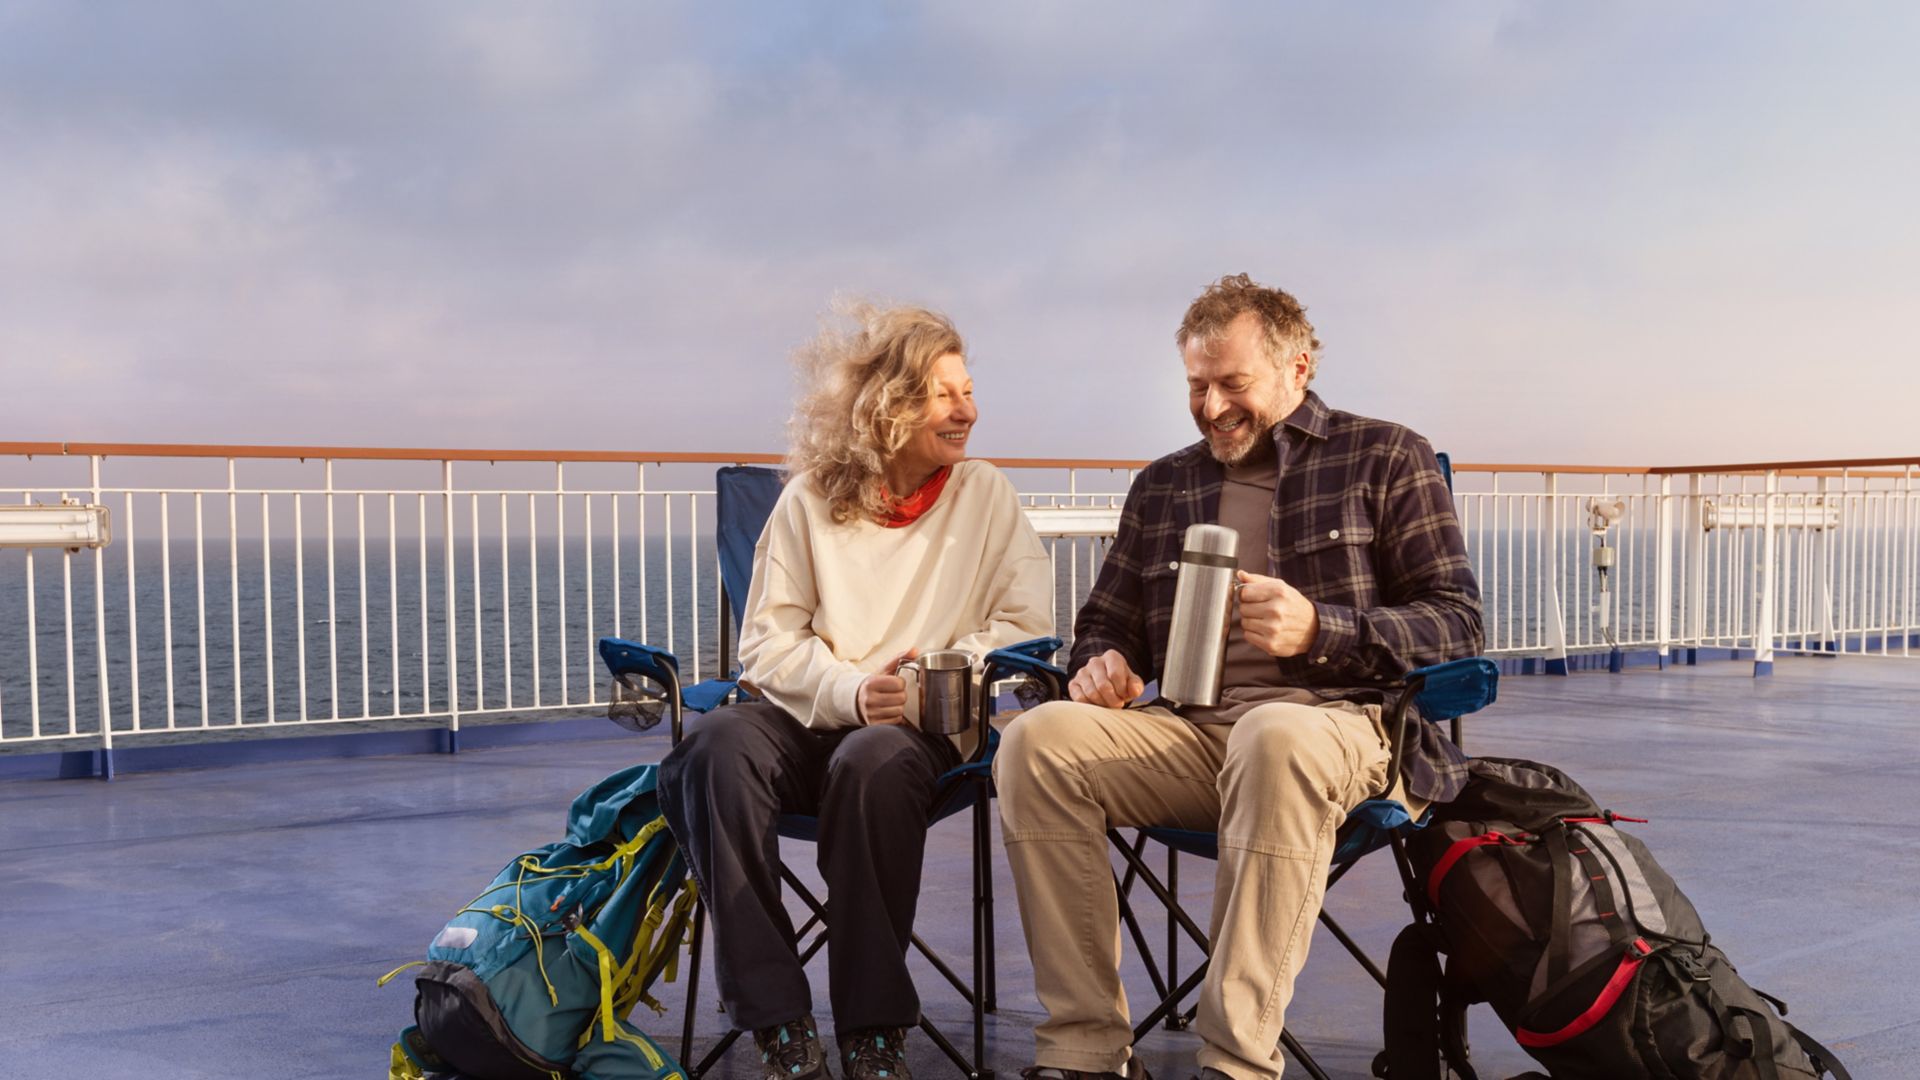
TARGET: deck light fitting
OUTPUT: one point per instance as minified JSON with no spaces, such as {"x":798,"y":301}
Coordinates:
{"x":67,"y":524}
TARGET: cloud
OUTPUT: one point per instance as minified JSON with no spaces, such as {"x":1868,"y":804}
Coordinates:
{"x":1536,"y":233}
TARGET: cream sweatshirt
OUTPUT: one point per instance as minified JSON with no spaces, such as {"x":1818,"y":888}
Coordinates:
{"x":832,"y":603}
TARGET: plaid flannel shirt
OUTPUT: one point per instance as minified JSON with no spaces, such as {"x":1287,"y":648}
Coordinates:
{"x":1362,"y":524}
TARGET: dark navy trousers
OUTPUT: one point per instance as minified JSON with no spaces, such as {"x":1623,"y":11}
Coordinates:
{"x":723,"y":789}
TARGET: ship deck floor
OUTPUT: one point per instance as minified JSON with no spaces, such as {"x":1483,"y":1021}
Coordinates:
{"x":230,"y":922}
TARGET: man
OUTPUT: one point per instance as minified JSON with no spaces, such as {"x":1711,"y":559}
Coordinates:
{"x":1352,"y":572}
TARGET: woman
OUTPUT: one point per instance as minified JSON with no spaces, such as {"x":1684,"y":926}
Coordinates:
{"x":885,"y":542}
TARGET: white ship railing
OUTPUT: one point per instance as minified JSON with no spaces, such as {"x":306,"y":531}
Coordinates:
{"x":249,"y":589}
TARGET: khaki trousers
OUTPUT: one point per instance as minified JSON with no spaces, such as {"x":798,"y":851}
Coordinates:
{"x":1275,"y":785}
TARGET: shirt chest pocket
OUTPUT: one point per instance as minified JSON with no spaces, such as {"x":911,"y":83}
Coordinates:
{"x":1333,"y":564}
{"x":1157,"y":582}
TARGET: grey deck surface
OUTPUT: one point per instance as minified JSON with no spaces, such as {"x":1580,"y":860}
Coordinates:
{"x":231,"y":922}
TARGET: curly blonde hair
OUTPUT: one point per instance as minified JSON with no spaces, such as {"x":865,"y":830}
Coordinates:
{"x":1283,"y":321}
{"x":864,"y":390}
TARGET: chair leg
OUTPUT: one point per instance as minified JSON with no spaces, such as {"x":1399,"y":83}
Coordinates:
{"x":982,"y":922}
{"x":1165,"y":1008}
{"x":1176,"y":1020}
{"x":983,"y":852}
{"x":719,"y":1049}
{"x":1300,"y":1055}
{"x":1353,"y":947}
{"x":713,"y":1055}
{"x":1159,"y":890}
{"x":1131,"y":921}
{"x":970,"y":1069}
{"x":693,"y":981}
{"x":940,"y":965}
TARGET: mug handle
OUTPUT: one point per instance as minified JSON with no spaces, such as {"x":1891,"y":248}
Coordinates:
{"x":909,"y":670}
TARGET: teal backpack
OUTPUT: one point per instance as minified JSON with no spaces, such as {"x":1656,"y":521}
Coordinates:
{"x":534,"y":979}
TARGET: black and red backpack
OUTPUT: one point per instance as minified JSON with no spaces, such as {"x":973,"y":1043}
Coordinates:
{"x":1591,"y":955}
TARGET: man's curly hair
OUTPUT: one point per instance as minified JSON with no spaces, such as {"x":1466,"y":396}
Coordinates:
{"x":864,"y":390}
{"x":1282,"y":318}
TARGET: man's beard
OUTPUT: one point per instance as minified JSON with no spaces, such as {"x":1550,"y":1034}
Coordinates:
{"x":1242,"y":442}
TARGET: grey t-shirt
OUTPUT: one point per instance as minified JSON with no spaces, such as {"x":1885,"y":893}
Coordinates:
{"x":1251,"y":677}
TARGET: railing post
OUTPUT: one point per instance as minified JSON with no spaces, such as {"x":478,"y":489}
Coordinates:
{"x":100,"y":632}
{"x":1763,"y":620}
{"x":1663,"y":575}
{"x":1695,"y":630}
{"x":1555,"y":628}
{"x":1907,"y":564}
{"x":233,"y":582}
{"x":446,"y":576}
{"x":1823,"y":564}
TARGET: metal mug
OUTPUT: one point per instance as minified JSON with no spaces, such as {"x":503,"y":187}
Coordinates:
{"x":940,"y":694}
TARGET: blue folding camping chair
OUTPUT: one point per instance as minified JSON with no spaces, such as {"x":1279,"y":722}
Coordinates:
{"x":1438,"y":693}
{"x":744,"y":498}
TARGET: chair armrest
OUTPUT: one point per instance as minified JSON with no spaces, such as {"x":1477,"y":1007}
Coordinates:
{"x":1441,"y":692}
{"x":1455,"y":688}
{"x":1028,"y":658}
{"x":1040,"y":648}
{"x":624,"y":657}
{"x":708,"y":696}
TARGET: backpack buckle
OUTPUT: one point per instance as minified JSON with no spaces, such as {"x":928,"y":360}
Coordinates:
{"x":1689,"y":965}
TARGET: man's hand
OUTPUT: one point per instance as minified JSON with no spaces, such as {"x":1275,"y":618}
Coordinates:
{"x":1275,"y":617}
{"x":882,"y":697}
{"x":1106,"y":680}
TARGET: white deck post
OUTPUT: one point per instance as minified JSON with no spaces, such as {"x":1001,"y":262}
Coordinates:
{"x":100,"y":633}
{"x":1823,"y":570}
{"x":446,"y":577}
{"x":1695,"y":630}
{"x":1763,"y":621}
{"x":1663,"y":575}
{"x":1554,"y":623}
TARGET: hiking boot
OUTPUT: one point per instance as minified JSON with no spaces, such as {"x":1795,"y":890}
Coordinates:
{"x":1132,"y":1070}
{"x":874,"y":1054}
{"x":792,"y":1051}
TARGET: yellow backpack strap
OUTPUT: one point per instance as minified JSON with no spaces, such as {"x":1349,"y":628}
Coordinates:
{"x":605,"y":956}
{"x":682,"y":916}
{"x":625,"y":851}
{"x":402,"y":1067}
{"x":388,"y":977}
{"x":611,"y":1032}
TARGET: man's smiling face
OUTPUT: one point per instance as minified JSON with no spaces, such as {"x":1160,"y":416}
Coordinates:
{"x":1237,"y":391}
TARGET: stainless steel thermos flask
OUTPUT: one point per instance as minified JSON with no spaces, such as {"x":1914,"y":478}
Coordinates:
{"x":1202,"y":603}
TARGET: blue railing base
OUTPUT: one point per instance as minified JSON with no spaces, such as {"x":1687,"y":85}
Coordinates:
{"x":83,"y":764}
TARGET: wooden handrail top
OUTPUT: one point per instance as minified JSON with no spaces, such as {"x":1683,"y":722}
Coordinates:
{"x":1803,"y":468}
{"x":377,"y":453}
{"x":1816,"y":468}
{"x":390,"y":453}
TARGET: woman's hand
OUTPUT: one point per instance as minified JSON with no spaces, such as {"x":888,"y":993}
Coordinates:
{"x":882,"y":697}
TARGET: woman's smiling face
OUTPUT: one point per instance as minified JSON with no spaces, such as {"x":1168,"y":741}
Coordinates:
{"x":947,"y":423}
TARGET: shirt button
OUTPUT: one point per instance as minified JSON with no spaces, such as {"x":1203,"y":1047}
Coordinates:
{"x":1334,"y":535}
{"x":1322,"y":660}
{"x":1175,"y":565}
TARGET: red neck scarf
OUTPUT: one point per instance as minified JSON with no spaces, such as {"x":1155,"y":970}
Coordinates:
{"x":904,"y":512}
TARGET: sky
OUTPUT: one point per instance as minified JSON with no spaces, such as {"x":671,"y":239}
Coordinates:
{"x":1620,"y":234}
